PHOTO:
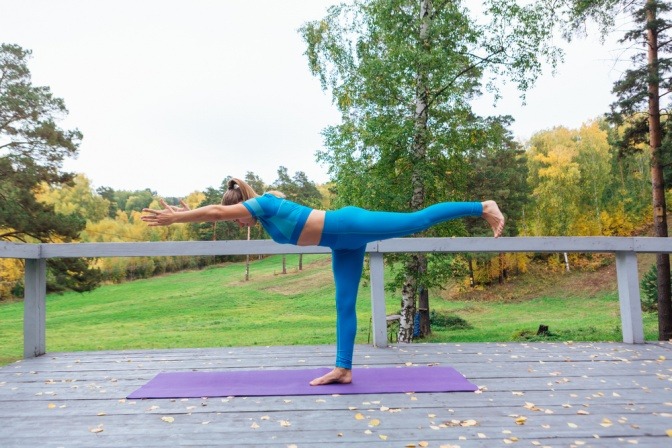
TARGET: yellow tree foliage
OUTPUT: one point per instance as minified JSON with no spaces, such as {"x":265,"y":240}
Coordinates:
{"x":78,"y":198}
{"x":11,"y":272}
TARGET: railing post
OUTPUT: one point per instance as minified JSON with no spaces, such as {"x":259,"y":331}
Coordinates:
{"x":378,"y":313}
{"x":34,"y":312}
{"x":628,"y":297}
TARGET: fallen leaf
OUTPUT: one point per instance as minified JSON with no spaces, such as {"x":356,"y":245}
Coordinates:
{"x":374,"y":422}
{"x":51,"y":406}
{"x":359,"y":416}
{"x":285,"y":423}
{"x":669,"y":433}
{"x":254,"y":425}
{"x":168,"y":419}
{"x":368,"y":432}
{"x":423,"y":444}
{"x":96,"y":430}
{"x":521,"y":420}
{"x":582,"y":412}
{"x":606,"y":422}
{"x":572,"y":425}
{"x":382,"y":436}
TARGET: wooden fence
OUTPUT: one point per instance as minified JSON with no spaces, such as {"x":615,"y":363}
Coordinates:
{"x":625,"y":249}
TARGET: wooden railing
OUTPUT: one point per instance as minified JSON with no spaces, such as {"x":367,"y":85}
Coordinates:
{"x":625,"y":249}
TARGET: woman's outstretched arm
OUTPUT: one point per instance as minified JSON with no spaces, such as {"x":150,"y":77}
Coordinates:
{"x":171,"y":215}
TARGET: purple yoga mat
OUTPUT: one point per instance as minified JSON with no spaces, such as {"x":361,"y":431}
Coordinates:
{"x":250,"y":383}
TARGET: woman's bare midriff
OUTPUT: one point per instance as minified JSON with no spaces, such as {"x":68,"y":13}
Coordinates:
{"x":312,"y":231}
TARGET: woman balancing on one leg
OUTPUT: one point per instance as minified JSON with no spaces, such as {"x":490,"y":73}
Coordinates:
{"x":346,"y":232}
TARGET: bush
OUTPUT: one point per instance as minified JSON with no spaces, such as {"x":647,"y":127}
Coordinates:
{"x":649,"y":288}
{"x":448,"y":322}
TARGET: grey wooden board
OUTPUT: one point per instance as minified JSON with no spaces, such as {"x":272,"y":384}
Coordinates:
{"x":57,"y":399}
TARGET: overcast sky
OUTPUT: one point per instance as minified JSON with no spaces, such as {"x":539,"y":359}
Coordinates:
{"x":175,"y":95}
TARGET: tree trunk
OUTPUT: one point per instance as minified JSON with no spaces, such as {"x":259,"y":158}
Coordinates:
{"x":657,"y":180}
{"x":472,"y":279}
{"x":418,"y":263}
{"x":247,"y":260}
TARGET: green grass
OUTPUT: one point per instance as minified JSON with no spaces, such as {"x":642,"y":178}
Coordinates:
{"x":214,"y":307}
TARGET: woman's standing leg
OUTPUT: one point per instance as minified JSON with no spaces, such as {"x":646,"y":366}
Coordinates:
{"x":347,"y":266}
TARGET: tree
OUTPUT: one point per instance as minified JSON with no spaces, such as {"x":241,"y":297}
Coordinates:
{"x":32,"y":148}
{"x":402,"y":73}
{"x":642,"y":89}
{"x":76,"y":198}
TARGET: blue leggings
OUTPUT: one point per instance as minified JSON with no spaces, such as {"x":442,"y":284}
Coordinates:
{"x":348,"y":230}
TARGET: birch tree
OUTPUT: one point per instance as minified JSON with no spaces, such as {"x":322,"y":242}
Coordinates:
{"x":403,"y":73}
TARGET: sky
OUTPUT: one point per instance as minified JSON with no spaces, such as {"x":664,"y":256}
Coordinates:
{"x":177,"y":95}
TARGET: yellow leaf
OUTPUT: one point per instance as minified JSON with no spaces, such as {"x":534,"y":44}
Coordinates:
{"x":96,"y":430}
{"x":168,"y":419}
{"x":285,"y":423}
{"x":51,"y":406}
{"x":254,"y":425}
{"x":669,"y":433}
{"x":359,"y":416}
{"x":382,"y":436}
{"x":521,"y":420}
{"x":423,"y":444}
{"x":374,"y":422}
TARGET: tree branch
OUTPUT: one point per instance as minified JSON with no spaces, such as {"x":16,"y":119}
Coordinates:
{"x":460,"y":74}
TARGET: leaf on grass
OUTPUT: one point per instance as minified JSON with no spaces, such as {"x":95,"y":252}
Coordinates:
{"x":168,"y":419}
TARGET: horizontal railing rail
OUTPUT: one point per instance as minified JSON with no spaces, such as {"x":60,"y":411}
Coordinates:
{"x":625,"y":249}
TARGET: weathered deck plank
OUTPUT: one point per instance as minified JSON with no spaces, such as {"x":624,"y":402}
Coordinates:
{"x":570,"y":394}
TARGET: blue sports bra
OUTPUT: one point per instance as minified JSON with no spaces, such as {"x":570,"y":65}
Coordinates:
{"x":282,"y":219}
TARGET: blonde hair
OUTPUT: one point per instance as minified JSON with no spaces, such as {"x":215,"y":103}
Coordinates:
{"x":237,"y":191}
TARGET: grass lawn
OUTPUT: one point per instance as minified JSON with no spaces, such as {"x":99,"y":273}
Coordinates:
{"x":215,"y":307}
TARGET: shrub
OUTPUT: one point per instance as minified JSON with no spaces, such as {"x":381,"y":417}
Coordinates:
{"x":649,"y":288}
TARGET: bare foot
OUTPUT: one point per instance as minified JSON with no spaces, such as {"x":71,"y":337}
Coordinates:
{"x":338,"y":375}
{"x":494,"y":216}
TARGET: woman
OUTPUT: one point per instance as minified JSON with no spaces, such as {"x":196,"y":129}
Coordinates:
{"x":345,"y":231}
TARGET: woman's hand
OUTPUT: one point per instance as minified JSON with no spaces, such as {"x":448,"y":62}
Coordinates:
{"x":163,"y":217}
{"x":184,"y":207}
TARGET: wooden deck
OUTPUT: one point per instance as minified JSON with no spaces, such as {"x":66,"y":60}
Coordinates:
{"x":544,"y":395}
